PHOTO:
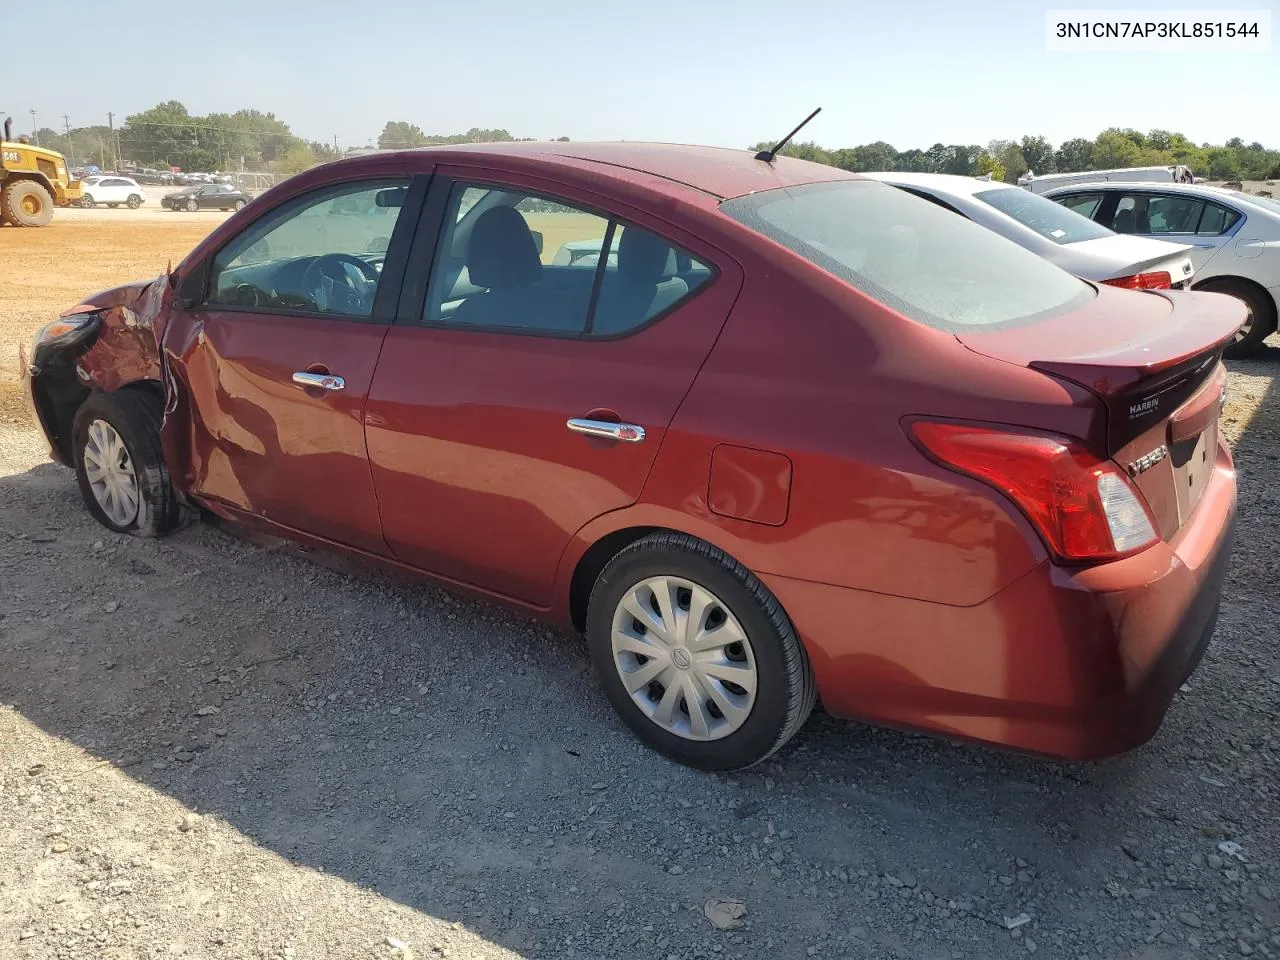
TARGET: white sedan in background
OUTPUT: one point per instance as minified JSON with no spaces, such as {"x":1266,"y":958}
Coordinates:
{"x":113,"y":191}
{"x":1073,"y":242}
{"x":1234,"y":238}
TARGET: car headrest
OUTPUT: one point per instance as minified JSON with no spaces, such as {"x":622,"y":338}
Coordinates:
{"x":502,"y":252}
{"x":645,"y":258}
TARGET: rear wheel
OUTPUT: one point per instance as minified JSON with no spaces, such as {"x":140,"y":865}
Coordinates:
{"x":119,"y":464}
{"x":25,"y":203}
{"x":1260,"y":323}
{"x":134,"y":201}
{"x":239,"y":205}
{"x":696,"y":655}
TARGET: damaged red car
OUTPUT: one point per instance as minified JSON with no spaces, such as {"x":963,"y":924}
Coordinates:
{"x":765,"y":432}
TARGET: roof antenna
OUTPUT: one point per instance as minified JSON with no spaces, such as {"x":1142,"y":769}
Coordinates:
{"x":768,"y":155}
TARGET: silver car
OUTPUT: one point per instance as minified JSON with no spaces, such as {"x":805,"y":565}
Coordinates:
{"x":1234,"y":238}
{"x":1073,"y":242}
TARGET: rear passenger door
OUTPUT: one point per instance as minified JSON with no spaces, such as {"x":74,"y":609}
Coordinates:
{"x":1176,"y":218}
{"x":545,"y":340}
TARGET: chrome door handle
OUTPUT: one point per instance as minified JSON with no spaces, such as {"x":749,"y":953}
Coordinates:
{"x":627,"y":432}
{"x":325,"y":381}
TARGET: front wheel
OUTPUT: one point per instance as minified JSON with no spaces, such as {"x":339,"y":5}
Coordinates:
{"x":193,"y":205}
{"x":87,"y":202}
{"x":696,"y":655}
{"x":119,"y":464}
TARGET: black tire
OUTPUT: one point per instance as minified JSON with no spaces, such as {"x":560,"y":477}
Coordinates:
{"x":136,"y":416}
{"x":134,"y":201}
{"x":25,"y":203}
{"x":239,"y":205}
{"x":193,"y":205}
{"x":786,"y":692}
{"x":87,"y":202}
{"x":1261,"y":308}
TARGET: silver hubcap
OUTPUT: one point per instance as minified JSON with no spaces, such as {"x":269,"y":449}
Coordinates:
{"x":109,"y":469}
{"x":684,"y":658}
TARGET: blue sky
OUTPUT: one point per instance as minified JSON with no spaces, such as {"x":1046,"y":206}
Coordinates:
{"x":725,"y":73}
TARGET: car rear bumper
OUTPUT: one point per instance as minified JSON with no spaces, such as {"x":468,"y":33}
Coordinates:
{"x":1077,"y":664}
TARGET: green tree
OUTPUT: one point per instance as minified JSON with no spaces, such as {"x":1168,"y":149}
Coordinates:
{"x":298,"y":158}
{"x":878,"y":156}
{"x":1113,"y":149}
{"x":1010,"y":156}
{"x":1038,"y":154}
{"x":1074,"y":156}
{"x":989,"y":164}
{"x":399,"y":135}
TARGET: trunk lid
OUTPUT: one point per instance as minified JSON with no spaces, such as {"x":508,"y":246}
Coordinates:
{"x":1130,"y":255}
{"x":1153,"y":362}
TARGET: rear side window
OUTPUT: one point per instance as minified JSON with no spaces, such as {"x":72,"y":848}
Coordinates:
{"x":1085,"y":204}
{"x":928,"y":264}
{"x":1216,"y":220}
{"x":1052,"y":221}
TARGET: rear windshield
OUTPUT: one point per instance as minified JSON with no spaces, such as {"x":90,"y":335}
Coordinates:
{"x":1051,"y":220}
{"x":923,"y":261}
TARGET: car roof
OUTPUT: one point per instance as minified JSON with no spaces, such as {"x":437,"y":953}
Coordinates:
{"x":721,"y":172}
{"x":1146,"y":186}
{"x":942,"y":183}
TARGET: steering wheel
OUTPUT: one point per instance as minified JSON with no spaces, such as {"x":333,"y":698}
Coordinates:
{"x":332,"y":287}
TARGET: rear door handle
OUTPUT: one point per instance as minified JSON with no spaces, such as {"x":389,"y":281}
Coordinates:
{"x":626,"y":432}
{"x":324,"y":381}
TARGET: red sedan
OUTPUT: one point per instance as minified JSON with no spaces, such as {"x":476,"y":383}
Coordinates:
{"x":764,"y":431}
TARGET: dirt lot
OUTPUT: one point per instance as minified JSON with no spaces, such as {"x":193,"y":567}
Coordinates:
{"x":211,"y":749}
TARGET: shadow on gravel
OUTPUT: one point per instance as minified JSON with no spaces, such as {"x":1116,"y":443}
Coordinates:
{"x":462,"y":761}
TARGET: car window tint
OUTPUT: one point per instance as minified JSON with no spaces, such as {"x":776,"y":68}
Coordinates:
{"x":938,"y":269}
{"x":512,"y":260}
{"x":321,"y":254}
{"x":1216,"y":220}
{"x":1051,"y":220}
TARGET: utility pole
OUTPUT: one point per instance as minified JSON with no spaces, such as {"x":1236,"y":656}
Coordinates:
{"x":115,"y":144}
{"x":66,"y":122}
{"x":336,"y":151}
{"x":35,"y":128}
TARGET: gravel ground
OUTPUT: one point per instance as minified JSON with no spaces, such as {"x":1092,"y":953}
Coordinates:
{"x":211,"y":748}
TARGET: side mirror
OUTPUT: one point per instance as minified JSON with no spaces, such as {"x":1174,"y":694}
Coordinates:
{"x":537,"y":240}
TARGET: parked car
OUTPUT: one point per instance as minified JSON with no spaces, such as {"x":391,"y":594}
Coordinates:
{"x":1234,"y":237}
{"x":1073,"y":242}
{"x":113,"y":191}
{"x":210,"y":196}
{"x":806,"y":437}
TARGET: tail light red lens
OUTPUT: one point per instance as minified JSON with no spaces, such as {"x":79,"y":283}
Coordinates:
{"x":1160,"y":280}
{"x":1085,"y":508}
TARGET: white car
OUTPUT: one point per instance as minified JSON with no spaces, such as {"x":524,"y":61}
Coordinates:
{"x":1073,"y":242}
{"x":1234,"y":237}
{"x":113,"y":191}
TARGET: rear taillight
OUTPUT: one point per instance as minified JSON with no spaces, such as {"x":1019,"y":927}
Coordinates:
{"x":1160,"y":280}
{"x":1085,"y":508}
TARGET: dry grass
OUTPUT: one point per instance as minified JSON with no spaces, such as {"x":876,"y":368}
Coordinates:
{"x":42,"y":272}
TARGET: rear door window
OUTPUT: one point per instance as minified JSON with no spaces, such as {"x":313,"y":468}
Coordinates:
{"x":1085,"y":204}
{"x":1050,"y":220}
{"x":928,"y":264}
{"x":534,"y":264}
